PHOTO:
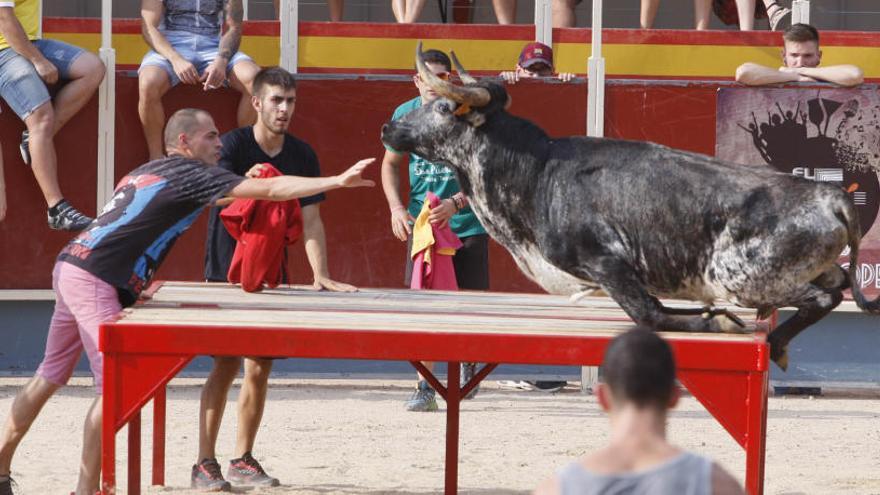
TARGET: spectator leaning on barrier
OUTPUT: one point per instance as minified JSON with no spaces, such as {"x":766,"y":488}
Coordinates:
{"x":535,"y":60}
{"x":267,"y":141}
{"x":637,"y":390}
{"x":186,"y":46}
{"x":28,"y":65}
{"x":107,"y":266}
{"x":471,"y":261}
{"x":800,"y":63}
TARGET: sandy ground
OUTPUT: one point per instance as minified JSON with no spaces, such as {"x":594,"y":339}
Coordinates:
{"x":353,"y":437}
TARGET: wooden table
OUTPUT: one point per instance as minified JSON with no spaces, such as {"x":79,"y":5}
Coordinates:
{"x":150,"y":343}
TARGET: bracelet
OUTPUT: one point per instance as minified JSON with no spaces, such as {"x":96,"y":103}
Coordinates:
{"x":458,"y":202}
{"x":398,"y":207}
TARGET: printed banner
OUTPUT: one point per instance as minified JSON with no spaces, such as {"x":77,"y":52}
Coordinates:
{"x":826,"y":135}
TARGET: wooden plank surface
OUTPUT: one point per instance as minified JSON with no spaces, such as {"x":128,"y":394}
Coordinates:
{"x":206,"y":304}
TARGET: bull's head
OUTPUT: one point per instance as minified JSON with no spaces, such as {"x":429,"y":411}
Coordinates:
{"x":440,"y":130}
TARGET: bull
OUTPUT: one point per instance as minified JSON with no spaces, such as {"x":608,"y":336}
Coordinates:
{"x":638,"y":220}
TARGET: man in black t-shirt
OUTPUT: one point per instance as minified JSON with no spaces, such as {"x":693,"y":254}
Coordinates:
{"x":267,"y":141}
{"x":107,"y":266}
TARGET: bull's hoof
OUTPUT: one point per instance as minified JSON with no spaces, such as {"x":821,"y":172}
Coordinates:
{"x":724,"y":322}
{"x":779,"y":355}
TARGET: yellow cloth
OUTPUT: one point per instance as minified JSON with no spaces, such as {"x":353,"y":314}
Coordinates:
{"x":28,"y":14}
{"x":423,"y":236}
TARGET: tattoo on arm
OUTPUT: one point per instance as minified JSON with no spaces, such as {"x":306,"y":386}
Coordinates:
{"x":232,"y":38}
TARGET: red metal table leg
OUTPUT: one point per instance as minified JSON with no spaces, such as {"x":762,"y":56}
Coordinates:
{"x":134,"y":454}
{"x":159,"y":437}
{"x":756,"y":431}
{"x":109,"y":407}
{"x":453,"y":399}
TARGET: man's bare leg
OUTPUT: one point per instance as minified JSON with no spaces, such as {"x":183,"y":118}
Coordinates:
{"x":702,"y":14}
{"x":241,"y":78}
{"x":336,"y":9}
{"x":251,"y":403}
{"x":25,"y":408}
{"x":86,"y":74}
{"x":41,"y":128}
{"x":213,"y":403}
{"x":746,"y":11}
{"x":90,"y":468}
{"x":153,"y":83}
{"x":505,"y":11}
{"x":648,"y":13}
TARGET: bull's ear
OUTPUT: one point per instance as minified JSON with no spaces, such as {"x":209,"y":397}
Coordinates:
{"x":474,"y":118}
{"x":508,"y":102}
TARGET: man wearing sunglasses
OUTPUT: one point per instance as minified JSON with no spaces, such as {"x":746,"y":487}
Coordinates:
{"x":471,"y":261}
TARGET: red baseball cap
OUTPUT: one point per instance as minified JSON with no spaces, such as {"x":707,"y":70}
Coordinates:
{"x":535,"y":53}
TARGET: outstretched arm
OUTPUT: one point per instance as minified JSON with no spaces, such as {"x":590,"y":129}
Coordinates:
{"x":291,"y":187}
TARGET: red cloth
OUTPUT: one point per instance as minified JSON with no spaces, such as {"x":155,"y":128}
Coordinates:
{"x":263,"y":230}
{"x":439,"y":272}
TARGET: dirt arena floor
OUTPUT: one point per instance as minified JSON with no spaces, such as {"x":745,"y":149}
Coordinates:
{"x":353,"y":437}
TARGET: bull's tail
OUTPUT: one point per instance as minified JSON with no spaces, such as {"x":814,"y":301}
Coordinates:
{"x":850,"y":216}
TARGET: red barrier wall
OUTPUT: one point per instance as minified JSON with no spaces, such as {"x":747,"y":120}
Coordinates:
{"x":340,"y":118}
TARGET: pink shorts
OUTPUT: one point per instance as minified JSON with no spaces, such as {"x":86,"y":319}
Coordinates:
{"x":82,"y":302}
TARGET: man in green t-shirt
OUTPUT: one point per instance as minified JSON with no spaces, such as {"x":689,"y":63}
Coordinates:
{"x":471,"y":261}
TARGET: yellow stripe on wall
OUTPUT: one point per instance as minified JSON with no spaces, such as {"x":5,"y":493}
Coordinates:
{"x":496,"y":55}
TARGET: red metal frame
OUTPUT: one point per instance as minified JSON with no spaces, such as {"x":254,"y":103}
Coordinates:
{"x":728,"y":377}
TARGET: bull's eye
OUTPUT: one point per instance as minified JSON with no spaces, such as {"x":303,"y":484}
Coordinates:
{"x":444,"y":107}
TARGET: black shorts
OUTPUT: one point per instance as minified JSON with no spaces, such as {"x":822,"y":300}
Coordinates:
{"x":471,"y":263}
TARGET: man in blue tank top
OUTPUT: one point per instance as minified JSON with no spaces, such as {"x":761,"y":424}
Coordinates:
{"x":638,"y":388}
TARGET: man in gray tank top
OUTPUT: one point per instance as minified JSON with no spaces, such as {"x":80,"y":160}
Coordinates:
{"x":638,"y":389}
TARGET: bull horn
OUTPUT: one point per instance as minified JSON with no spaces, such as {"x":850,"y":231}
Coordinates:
{"x":462,"y":73}
{"x":474,"y":97}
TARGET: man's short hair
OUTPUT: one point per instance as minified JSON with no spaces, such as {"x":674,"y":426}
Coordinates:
{"x":184,"y":121}
{"x":273,"y":76}
{"x":800,"y":33}
{"x":639,"y":369}
{"x":437,"y":57}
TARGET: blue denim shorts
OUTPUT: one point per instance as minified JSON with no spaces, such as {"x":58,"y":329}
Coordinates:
{"x":199,"y":50}
{"x":20,"y":84}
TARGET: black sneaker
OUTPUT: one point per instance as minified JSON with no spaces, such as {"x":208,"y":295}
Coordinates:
{"x":24,"y":148}
{"x":7,"y":485}
{"x":206,"y":476}
{"x":63,"y":216}
{"x":246,"y":471}
{"x":468,"y":370}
